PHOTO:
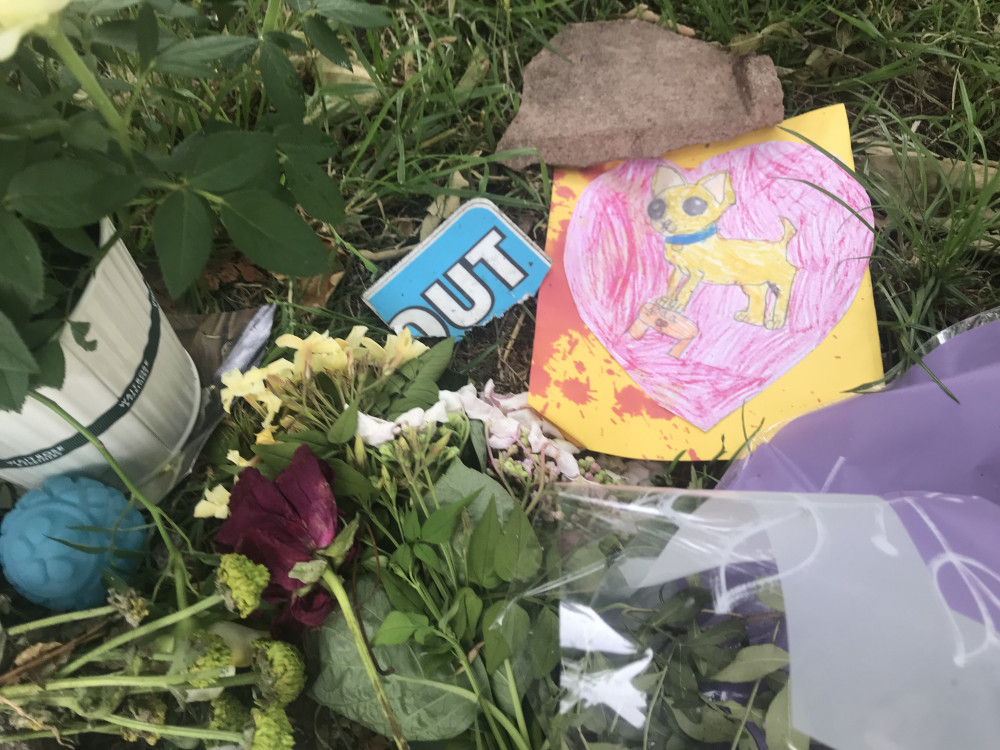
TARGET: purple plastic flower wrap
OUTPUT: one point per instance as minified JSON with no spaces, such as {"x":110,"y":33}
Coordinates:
{"x":772,"y":620}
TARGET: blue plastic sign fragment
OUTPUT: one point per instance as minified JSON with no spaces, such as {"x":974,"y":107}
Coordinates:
{"x":473,"y":268}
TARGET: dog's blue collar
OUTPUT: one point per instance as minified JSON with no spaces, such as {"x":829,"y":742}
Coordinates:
{"x":690,"y":239}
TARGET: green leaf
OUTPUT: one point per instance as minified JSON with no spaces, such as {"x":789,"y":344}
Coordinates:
{"x":14,"y":353}
{"x":754,"y":662}
{"x":350,"y":482}
{"x":505,"y":628}
{"x":315,"y":191}
{"x":440,"y":525}
{"x":188,"y":58}
{"x":778,"y":724}
{"x":353,"y":13}
{"x":106,"y":7}
{"x":12,"y":157}
{"x":714,"y":726}
{"x":468,"y":609}
{"x":13,"y":390}
{"x":400,"y":593}
{"x":272,"y":235}
{"x":77,"y":240}
{"x":345,"y":428}
{"x":771,"y":597}
{"x":147,"y":35}
{"x":432,"y":702}
{"x":326,"y":41}
{"x":482,"y":554}
{"x":519,"y":555}
{"x":543,"y":645}
{"x":87,"y":132}
{"x":305,"y":142}
{"x":479,"y":440}
{"x":341,"y":545}
{"x":68,"y":192}
{"x":398,"y":627}
{"x":285,"y":41}
{"x":308,"y":571}
{"x":460,"y":482}
{"x":411,"y":526}
{"x":428,"y":556}
{"x":51,"y":365}
{"x":231,"y":160}
{"x":80,"y":329}
{"x":681,"y":608}
{"x":182,"y":234}
{"x":282,"y":83}
{"x":21,"y":270}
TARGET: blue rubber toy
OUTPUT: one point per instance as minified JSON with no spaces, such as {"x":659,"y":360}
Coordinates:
{"x":53,"y":574}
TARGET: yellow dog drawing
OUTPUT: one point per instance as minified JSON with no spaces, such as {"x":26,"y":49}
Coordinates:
{"x":686,"y":215}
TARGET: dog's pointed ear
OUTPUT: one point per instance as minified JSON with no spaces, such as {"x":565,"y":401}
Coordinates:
{"x":719,"y":186}
{"x":667,"y":177}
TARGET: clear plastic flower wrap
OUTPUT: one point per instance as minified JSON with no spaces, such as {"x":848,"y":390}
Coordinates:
{"x":773,"y":621}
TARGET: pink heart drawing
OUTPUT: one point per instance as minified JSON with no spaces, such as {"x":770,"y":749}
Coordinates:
{"x":747,"y":234}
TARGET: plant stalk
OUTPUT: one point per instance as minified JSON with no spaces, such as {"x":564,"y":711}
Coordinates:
{"x":336,"y":587}
{"x":46,"y":622}
{"x":151,"y":627}
{"x":92,"y":87}
{"x":270,"y":17}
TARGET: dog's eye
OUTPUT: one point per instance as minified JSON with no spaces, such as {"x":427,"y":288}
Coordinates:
{"x":656,"y":208}
{"x":694,"y":206}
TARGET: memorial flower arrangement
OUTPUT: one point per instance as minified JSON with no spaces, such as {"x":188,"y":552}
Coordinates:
{"x":370,"y":519}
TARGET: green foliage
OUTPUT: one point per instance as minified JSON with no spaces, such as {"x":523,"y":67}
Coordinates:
{"x":431,"y":703}
{"x":168,"y":149}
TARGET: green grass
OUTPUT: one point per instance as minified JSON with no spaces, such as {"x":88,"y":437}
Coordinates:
{"x":917,"y":79}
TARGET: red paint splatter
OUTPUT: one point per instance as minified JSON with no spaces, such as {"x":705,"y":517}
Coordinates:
{"x":580,"y":367}
{"x":694,"y":456}
{"x":577,"y":391}
{"x":565,"y":192}
{"x":630,"y":401}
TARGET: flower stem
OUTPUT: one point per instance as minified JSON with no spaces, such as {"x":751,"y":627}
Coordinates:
{"x":336,"y":587}
{"x":141,"y":631}
{"x":167,"y":730}
{"x":515,"y":699}
{"x":270,"y":17}
{"x":85,"y":614}
{"x":177,"y":562}
{"x":89,"y":83}
{"x":148,"y":683}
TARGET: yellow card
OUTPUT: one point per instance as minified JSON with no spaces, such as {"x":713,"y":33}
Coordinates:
{"x":696,"y":299}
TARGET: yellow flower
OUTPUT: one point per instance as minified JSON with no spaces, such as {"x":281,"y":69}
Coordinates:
{"x":271,"y":404}
{"x":213,"y":504}
{"x":315,"y":353}
{"x":234,"y":457}
{"x":397,"y":350}
{"x":354,"y":338}
{"x":20,"y":17}
{"x":266,"y":436}
{"x":242,"y":385}
{"x":281,"y":369}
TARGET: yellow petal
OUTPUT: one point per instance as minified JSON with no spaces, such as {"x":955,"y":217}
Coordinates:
{"x":289,"y":341}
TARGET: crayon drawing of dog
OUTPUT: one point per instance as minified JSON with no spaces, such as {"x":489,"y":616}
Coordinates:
{"x":686,"y":214}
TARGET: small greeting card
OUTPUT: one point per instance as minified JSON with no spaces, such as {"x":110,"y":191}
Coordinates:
{"x":696,"y":299}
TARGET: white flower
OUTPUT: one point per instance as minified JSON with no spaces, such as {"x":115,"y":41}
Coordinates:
{"x":214,"y":503}
{"x":504,"y":432}
{"x":414,"y":418}
{"x":375,"y":431}
{"x":20,"y":17}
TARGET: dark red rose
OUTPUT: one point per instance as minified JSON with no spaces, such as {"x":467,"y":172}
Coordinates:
{"x":284,"y":522}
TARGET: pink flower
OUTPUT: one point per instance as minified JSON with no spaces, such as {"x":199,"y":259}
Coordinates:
{"x":278,"y":524}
